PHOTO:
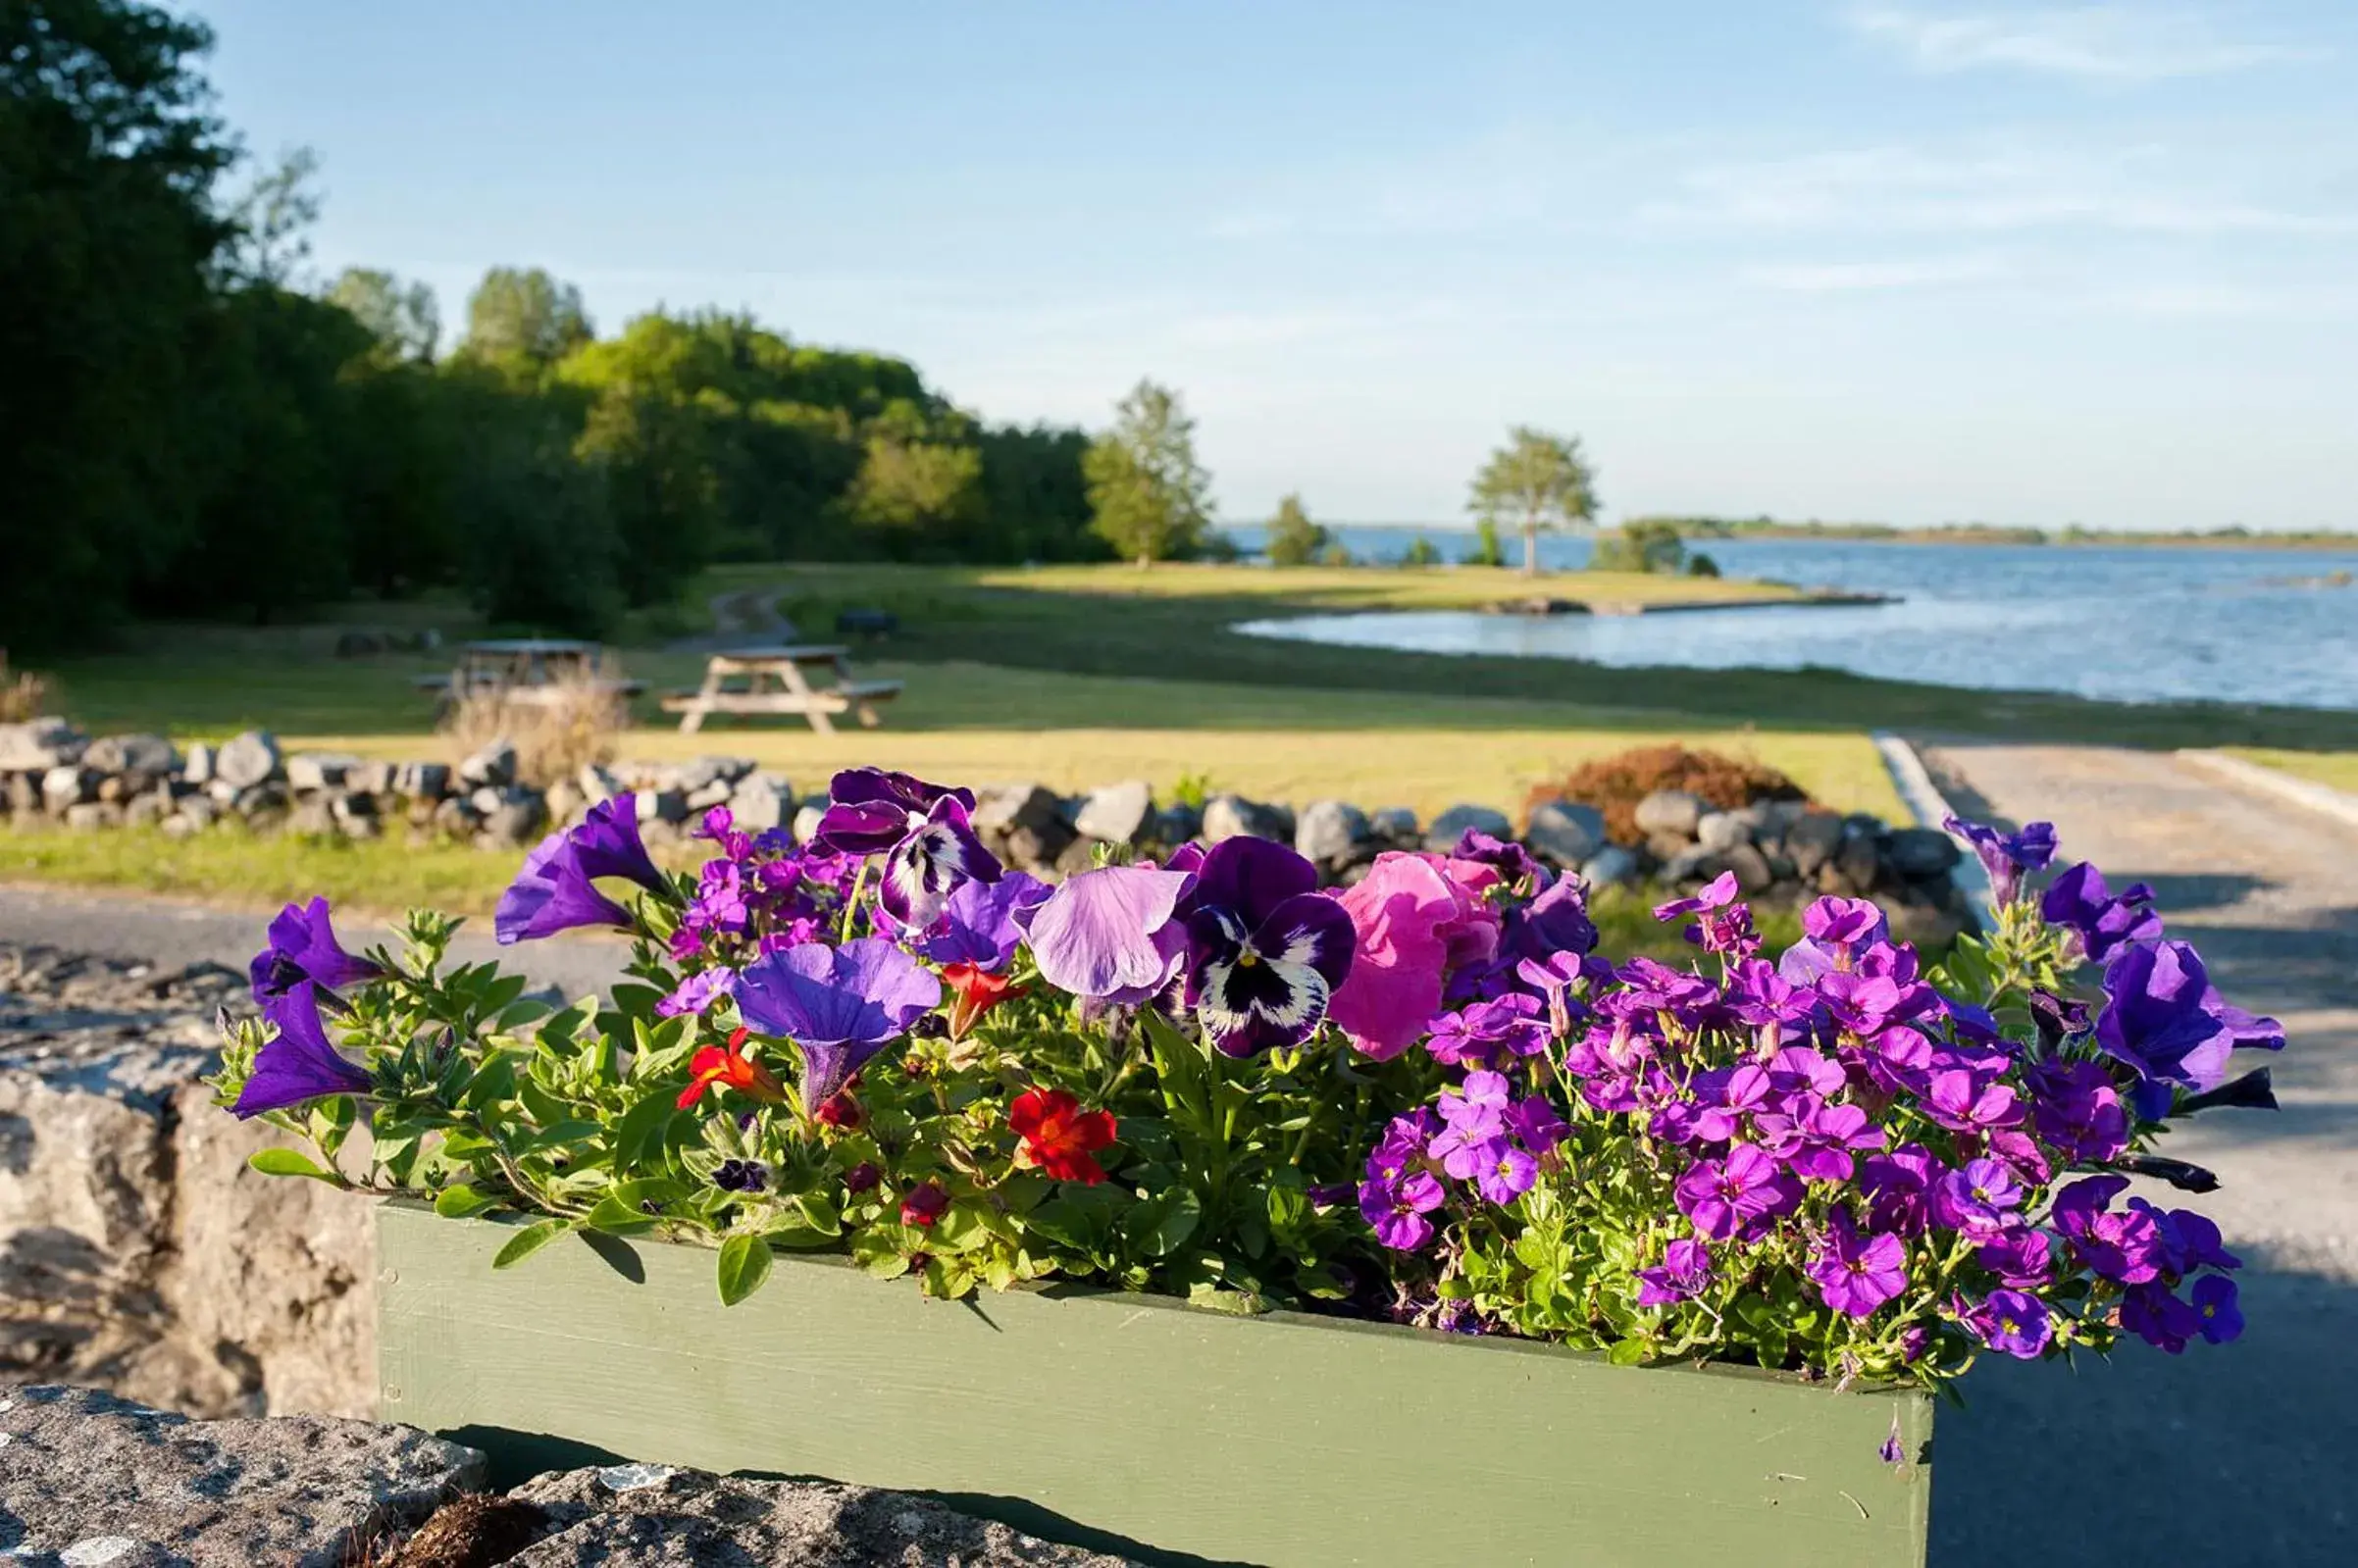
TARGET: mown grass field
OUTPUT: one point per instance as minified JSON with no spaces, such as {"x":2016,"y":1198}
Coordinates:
{"x":2337,"y":770}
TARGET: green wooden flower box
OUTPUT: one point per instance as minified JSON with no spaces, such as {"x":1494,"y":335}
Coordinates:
{"x":1138,"y":1424}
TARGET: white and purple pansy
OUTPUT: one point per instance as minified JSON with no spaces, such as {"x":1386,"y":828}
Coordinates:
{"x":1265,"y":948}
{"x":923,"y":831}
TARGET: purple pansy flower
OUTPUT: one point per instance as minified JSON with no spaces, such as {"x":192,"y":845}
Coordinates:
{"x":1857,"y":1272}
{"x":2006,"y":856}
{"x":1685,"y":1271}
{"x":2078,"y":901}
{"x":1396,"y":1210}
{"x":1111,"y":934}
{"x":2014,"y":1322}
{"x":303,"y":946}
{"x":697,"y":992}
{"x":297,"y":1063}
{"x":922,"y":830}
{"x":841,"y":1005}
{"x":1266,"y":948}
{"x":982,"y":923}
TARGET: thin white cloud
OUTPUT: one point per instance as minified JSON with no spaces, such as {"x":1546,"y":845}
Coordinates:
{"x":2120,"y":43}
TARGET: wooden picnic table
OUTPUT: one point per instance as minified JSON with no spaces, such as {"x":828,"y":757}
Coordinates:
{"x":527,"y":670}
{"x":761,"y":682}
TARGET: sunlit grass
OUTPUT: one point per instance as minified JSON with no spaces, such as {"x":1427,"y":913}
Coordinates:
{"x":2337,"y":770}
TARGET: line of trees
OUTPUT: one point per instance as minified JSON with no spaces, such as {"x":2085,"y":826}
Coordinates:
{"x":186,"y":430}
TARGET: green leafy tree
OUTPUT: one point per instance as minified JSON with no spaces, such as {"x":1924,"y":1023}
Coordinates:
{"x":1640,"y":545}
{"x":270,"y":224}
{"x":1149,"y":497}
{"x":403,"y":318}
{"x":1535,"y":482}
{"x":1294,"y":539}
{"x":524,"y":315}
{"x":1487,"y":551}
{"x":663,"y":499}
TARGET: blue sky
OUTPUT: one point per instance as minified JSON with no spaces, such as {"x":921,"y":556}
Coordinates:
{"x":1910,"y":262}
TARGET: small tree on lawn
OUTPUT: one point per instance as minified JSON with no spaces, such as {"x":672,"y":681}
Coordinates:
{"x":1535,"y":482}
{"x":1294,"y":539}
{"x":1150,"y":497}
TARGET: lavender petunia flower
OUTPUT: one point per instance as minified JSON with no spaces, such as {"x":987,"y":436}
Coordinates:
{"x":608,"y":844}
{"x":1111,"y":934}
{"x":841,"y":1005}
{"x":553,"y":893}
{"x":297,"y":1063}
{"x":1857,"y":1272}
{"x":1265,"y":948}
{"x":982,"y":923}
{"x":2078,"y":901}
{"x":922,"y":830}
{"x":2006,"y":856}
{"x":2161,"y":1016}
{"x":303,"y":946}
{"x":1685,"y":1271}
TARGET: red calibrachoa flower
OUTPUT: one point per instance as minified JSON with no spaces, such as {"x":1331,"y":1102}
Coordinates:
{"x":977,"y":991}
{"x":924,"y":1204}
{"x":729,"y":1067}
{"x":1058,"y":1136}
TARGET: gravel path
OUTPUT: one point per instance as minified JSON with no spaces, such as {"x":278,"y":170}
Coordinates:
{"x":172,"y":936}
{"x":2241,"y":1454}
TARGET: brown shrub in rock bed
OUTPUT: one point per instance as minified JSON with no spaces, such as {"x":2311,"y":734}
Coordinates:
{"x":1615,"y":784}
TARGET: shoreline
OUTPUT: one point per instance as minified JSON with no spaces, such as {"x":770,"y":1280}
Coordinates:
{"x":1543,"y":606}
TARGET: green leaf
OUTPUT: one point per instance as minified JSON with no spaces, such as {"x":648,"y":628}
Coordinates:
{"x":462,"y":1202}
{"x":744,"y":1263}
{"x":820,"y":1212}
{"x":639,"y":1137}
{"x":531,"y":1239}
{"x":1162,"y":1222}
{"x":288,"y":1162}
{"x":494,"y":1080}
{"x":1626,"y":1352}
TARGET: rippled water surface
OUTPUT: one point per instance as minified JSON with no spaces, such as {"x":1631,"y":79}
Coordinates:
{"x":2134,"y":623}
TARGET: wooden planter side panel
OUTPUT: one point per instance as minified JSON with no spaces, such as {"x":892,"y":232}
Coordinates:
{"x":1130,"y":1421}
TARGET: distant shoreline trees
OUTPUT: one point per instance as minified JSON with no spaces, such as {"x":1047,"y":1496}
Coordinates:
{"x":1535,"y":482}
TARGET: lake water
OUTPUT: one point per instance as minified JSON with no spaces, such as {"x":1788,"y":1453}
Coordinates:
{"x":2137,"y":623}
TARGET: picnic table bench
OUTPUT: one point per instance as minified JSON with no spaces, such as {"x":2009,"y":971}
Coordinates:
{"x":735,"y":682}
{"x":526,"y":669}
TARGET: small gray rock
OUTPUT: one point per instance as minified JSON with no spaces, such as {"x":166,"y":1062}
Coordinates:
{"x":1001,"y":809}
{"x":91,"y":815}
{"x":66,"y":786}
{"x":247,"y":759}
{"x":1117,"y":813}
{"x":350,"y":805}
{"x":1565,"y":832}
{"x":598,"y":783}
{"x":1396,"y":825}
{"x":198,"y":769}
{"x":564,"y":801}
{"x":147,"y":810}
{"x":311,"y":819}
{"x":806,"y":823}
{"x":1670,"y":811}
{"x":369,"y":778}
{"x":1452,"y":825}
{"x":763,"y":800}
{"x":1231,"y":816}
{"x":422,"y":781}
{"x":38,"y":744}
{"x":514,"y":819}
{"x":1752,"y":875}
{"x":132,"y":753}
{"x":704,"y":772}
{"x":1611,"y":867}
{"x":1856,"y":864}
{"x":310,"y":771}
{"x":310,"y":1491}
{"x":1920,"y":854}
{"x":1722,"y":830}
{"x":493,"y":765}
{"x":1812,"y":840}
{"x":1330,"y":832}
{"x":713,"y":792}
{"x":1177,"y":823}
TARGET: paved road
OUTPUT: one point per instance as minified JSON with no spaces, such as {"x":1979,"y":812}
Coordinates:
{"x":2236,"y":1456}
{"x":172,"y":934}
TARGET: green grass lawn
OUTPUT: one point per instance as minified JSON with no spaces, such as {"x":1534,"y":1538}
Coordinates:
{"x":2336,"y":769}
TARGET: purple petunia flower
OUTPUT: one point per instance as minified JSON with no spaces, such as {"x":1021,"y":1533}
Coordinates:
{"x":556,"y":890}
{"x":698,"y":992}
{"x":1396,"y":1210}
{"x":2077,"y":1109}
{"x":1267,"y":949}
{"x":297,"y":1063}
{"x":2161,"y":1017}
{"x":2014,"y":1322}
{"x":1111,"y":935}
{"x":981,"y":923}
{"x":303,"y":946}
{"x":2006,"y":856}
{"x":922,"y":830}
{"x":1725,"y":1197}
{"x":1857,"y":1272}
{"x":841,"y":1005}
{"x":1685,"y":1272}
{"x":2078,"y":901}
